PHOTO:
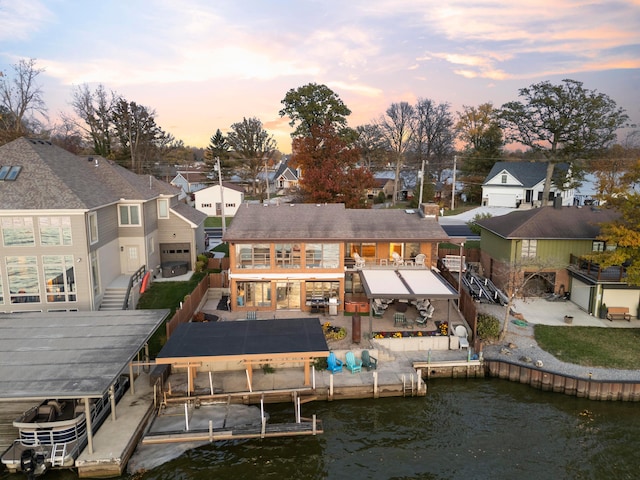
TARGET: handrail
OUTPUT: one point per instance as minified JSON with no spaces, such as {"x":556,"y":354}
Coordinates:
{"x":132,"y":280}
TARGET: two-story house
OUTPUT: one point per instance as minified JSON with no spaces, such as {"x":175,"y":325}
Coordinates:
{"x":71,"y":226}
{"x":516,"y":184}
{"x":554,"y":242}
{"x":293,"y":256}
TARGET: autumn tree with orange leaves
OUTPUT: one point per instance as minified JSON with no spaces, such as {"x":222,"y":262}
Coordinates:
{"x":329,"y":169}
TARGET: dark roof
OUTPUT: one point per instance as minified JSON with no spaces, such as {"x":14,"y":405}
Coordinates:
{"x":326,"y":222}
{"x":550,"y":223}
{"x":70,"y":354}
{"x":245,"y":338}
{"x":528,"y":173}
{"x":53,"y":178}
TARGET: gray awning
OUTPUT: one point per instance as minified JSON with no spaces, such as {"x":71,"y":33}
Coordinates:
{"x":405,"y":284}
{"x":70,"y":354}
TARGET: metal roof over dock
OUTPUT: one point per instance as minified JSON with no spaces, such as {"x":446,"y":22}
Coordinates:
{"x":70,"y":354}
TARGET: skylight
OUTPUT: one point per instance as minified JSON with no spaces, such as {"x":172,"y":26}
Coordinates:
{"x":9,"y":173}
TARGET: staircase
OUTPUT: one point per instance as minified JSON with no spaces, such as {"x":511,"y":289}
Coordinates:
{"x":113,"y":298}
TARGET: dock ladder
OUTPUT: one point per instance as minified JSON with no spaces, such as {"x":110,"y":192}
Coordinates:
{"x":57,"y":454}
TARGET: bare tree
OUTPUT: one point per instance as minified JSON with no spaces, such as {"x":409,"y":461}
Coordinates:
{"x":397,"y":126}
{"x":21,"y":99}
{"x":95,"y":111}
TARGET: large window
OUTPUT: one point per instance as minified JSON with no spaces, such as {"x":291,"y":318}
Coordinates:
{"x":288,"y":255}
{"x":322,"y":255}
{"x":95,"y":273}
{"x":129,"y":215}
{"x":18,"y":232}
{"x":253,"y":255}
{"x":366,"y":250}
{"x":529,"y":248}
{"x":321,"y":290}
{"x":55,"y":231}
{"x":60,"y":278}
{"x":22,"y":272}
{"x":254,"y":294}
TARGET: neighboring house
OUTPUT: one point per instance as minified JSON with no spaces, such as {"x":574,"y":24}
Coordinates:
{"x":209,"y":200}
{"x":516,"y":184}
{"x":72,"y":226}
{"x":289,"y":256}
{"x":191,"y":181}
{"x":558,"y":239}
{"x":286,"y":178}
{"x":382,"y":185}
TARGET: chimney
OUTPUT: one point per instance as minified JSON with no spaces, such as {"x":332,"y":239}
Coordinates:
{"x":431,"y":210}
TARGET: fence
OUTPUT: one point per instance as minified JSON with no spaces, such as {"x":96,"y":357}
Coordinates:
{"x":466,"y":304}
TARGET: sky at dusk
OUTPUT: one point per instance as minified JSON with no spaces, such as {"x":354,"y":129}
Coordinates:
{"x":205,"y":64}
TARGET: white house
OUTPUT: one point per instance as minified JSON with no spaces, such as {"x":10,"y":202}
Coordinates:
{"x":209,"y":200}
{"x":512,"y":184}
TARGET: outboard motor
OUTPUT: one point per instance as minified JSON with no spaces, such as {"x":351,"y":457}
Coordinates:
{"x":28,"y":463}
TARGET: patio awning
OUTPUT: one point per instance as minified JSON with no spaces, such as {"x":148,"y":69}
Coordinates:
{"x":405,"y":284}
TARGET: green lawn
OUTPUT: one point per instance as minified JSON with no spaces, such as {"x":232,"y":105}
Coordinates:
{"x":216,"y":222}
{"x":591,"y":346}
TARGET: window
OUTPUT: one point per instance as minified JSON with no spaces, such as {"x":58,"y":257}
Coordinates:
{"x":163,"y":208}
{"x":503,"y":179}
{"x":60,"y":278}
{"x":152,"y":246}
{"x":322,"y":255}
{"x":230,"y":205}
{"x":129,"y":215}
{"x":324,"y":290}
{"x":254,"y":294}
{"x":256,"y":255}
{"x":288,"y":255}
{"x":598,"y":246}
{"x":93,"y":228}
{"x":18,"y":232}
{"x":55,"y":231}
{"x":95,"y":276}
{"x":529,"y":248}
{"x":24,"y":284}
{"x":365,"y":250}
{"x":205,"y":205}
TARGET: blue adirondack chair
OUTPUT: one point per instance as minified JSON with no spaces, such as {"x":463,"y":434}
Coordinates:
{"x":334,"y":365}
{"x":353,"y":364}
{"x":369,"y":362}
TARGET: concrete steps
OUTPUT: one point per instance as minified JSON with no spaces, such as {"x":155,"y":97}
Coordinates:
{"x":113,"y":298}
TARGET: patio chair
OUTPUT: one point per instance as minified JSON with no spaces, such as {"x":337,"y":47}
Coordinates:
{"x":334,"y":365}
{"x":359,"y":260}
{"x":397,"y":259}
{"x":353,"y":364}
{"x":369,"y":362}
{"x":461,"y":333}
{"x":419,"y":260}
{"x":422,"y":321}
{"x":399,"y":320}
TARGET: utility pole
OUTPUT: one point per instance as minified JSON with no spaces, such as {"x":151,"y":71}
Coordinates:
{"x":421,"y":184}
{"x":453,"y":184}
{"x":224,"y":221}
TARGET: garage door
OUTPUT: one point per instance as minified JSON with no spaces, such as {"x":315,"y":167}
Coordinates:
{"x":175,"y":252}
{"x":581,"y":294}
{"x":502,"y":200}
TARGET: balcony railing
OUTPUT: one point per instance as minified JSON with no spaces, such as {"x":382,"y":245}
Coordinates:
{"x":593,"y":270}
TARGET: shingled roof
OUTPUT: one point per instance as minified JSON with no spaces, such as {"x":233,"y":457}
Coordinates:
{"x":322,"y":222}
{"x":565,"y":223}
{"x":528,"y":174}
{"x":53,"y":178}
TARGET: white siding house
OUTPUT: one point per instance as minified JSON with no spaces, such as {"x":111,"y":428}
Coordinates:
{"x":209,"y":200}
{"x":512,"y":184}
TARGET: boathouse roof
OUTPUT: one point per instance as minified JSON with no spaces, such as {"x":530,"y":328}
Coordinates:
{"x":66,"y":355}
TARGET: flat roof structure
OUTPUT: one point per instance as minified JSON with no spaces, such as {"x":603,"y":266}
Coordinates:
{"x":250,"y":341}
{"x":405,"y":283}
{"x":68,"y":355}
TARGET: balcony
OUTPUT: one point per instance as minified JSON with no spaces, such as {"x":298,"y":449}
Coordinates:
{"x":594,"y":271}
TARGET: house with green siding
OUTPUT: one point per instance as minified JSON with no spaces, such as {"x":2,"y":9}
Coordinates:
{"x":552,"y":243}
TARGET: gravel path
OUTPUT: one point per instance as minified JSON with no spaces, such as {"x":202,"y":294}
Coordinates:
{"x":520,"y":347}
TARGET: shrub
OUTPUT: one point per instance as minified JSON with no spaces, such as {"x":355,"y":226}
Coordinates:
{"x":488,"y":327}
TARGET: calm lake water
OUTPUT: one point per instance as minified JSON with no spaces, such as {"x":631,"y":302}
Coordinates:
{"x":462,"y":429}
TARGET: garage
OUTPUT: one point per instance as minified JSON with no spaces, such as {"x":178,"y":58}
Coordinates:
{"x":502,"y":200}
{"x":174,"y":254}
{"x":581,"y":294}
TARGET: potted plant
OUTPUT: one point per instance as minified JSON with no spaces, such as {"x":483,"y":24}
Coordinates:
{"x":603,"y":311}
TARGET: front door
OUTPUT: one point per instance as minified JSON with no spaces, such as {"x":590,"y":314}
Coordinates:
{"x":288,"y":295}
{"x":133,"y":258}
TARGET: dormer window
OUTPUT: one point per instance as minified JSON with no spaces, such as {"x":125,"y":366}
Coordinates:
{"x":503,"y":179}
